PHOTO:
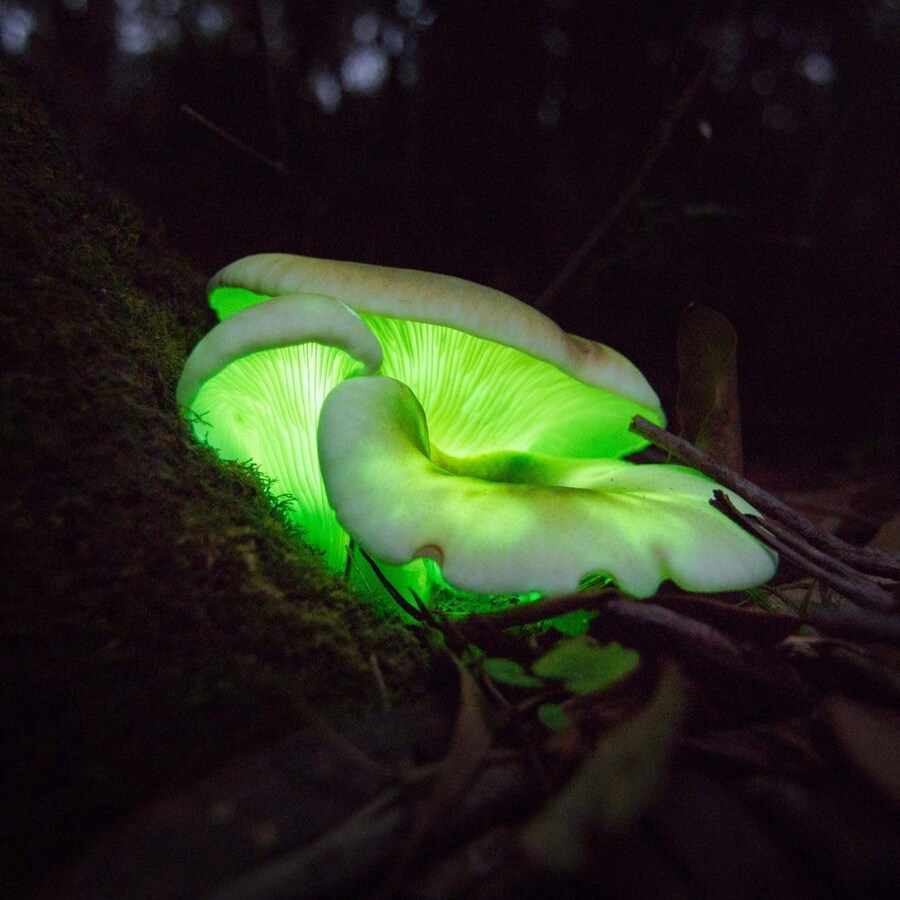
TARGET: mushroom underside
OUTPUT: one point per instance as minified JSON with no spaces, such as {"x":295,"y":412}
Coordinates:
{"x":518,"y":522}
{"x":262,"y":405}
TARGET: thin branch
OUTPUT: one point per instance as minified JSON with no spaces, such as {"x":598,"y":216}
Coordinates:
{"x":855,"y":624}
{"x":237,"y":143}
{"x":577,"y":259}
{"x":397,"y":597}
{"x":856,"y":587}
{"x":847,"y":620}
{"x":865,"y":559}
{"x":615,"y":608}
{"x":805,"y":548}
{"x":539,"y":610}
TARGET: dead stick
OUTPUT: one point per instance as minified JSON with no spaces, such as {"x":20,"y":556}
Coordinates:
{"x":227,"y":136}
{"x":576,"y":260}
{"x":856,"y":624}
{"x":856,"y":588}
{"x":866,"y":559}
{"x":846,"y":620}
{"x":820,"y":557}
{"x":539,"y":610}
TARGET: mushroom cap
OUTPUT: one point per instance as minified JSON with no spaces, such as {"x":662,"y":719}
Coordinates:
{"x":282,"y":322}
{"x":412,"y":295}
{"x":637,"y":524}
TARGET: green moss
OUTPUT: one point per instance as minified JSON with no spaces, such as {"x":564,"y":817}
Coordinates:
{"x":157,"y":616}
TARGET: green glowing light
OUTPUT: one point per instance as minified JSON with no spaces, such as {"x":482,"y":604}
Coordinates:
{"x":226,"y":301}
{"x":265,"y":408}
{"x":553,"y":524}
{"x":462,"y":447}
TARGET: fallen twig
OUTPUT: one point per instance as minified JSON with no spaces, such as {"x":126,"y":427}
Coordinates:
{"x":809,"y":551}
{"x":227,"y":136}
{"x":846,"y":621}
{"x":853,"y":585}
{"x":865,"y":559}
{"x":855,"y":624}
{"x":576,"y":260}
{"x":539,"y":610}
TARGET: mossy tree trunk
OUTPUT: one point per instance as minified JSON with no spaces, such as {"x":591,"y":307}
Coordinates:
{"x":158,"y":616}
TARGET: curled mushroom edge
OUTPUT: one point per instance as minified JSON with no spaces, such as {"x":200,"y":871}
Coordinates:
{"x":459,"y":436}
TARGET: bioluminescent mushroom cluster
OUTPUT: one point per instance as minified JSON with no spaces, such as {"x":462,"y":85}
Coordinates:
{"x":455,"y":434}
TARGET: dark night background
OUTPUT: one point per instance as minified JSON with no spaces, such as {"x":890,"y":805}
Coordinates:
{"x":159,"y":620}
{"x":486,"y":140}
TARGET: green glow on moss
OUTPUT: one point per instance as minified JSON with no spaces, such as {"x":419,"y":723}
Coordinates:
{"x":264,"y":408}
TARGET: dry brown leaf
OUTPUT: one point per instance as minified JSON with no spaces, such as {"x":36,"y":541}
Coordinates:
{"x":266,"y":820}
{"x":471,"y":740}
{"x":707,"y":406}
{"x":612,"y":788}
{"x":717,"y":841}
{"x":870,"y":738}
{"x":888,"y":536}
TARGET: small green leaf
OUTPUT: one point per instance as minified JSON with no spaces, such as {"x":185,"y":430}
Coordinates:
{"x":585,"y":666}
{"x":553,"y":716}
{"x":573,"y":624}
{"x":508,"y":671}
{"x":472,"y":655}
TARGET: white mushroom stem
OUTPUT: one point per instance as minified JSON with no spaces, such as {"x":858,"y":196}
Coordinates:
{"x":282,"y":322}
{"x":638,"y":524}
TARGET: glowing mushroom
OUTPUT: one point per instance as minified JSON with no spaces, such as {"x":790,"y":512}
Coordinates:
{"x":517,"y":408}
{"x":510,"y":523}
